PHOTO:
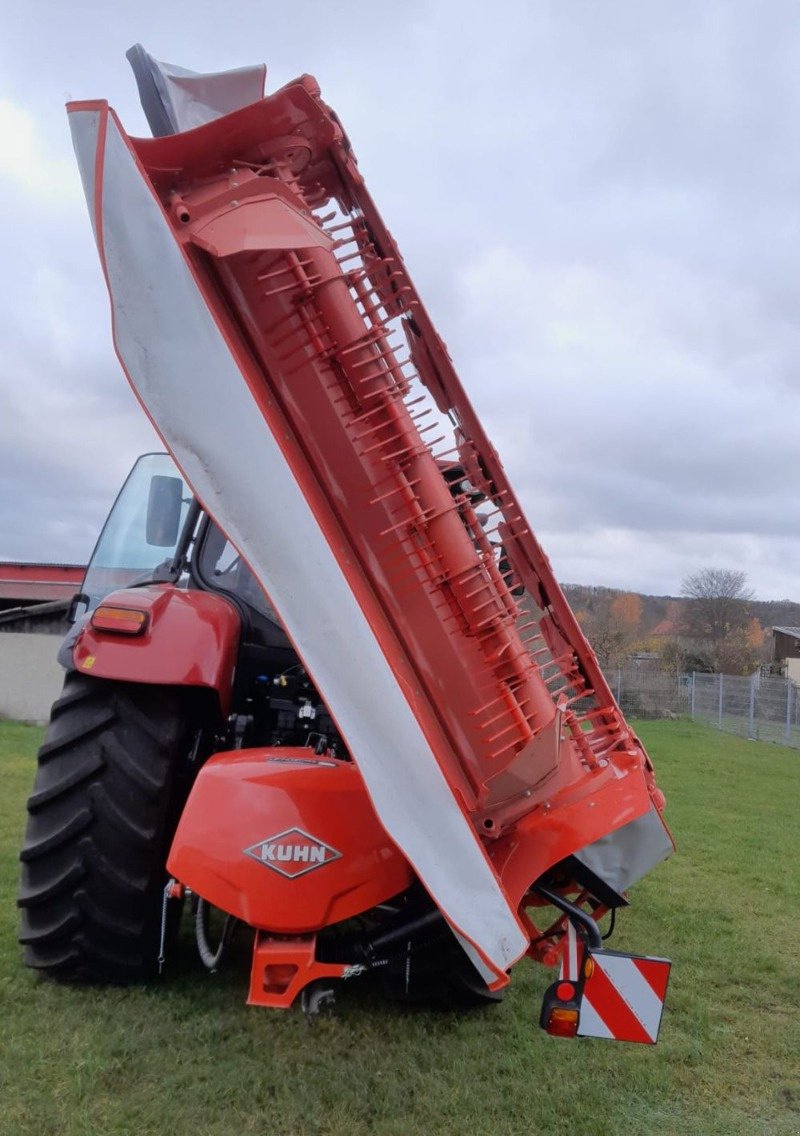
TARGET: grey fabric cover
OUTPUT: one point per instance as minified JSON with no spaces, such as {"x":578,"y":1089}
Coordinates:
{"x":628,"y":853}
{"x":174,"y":99}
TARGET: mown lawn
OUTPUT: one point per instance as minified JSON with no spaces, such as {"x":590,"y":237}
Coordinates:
{"x":191,"y":1058}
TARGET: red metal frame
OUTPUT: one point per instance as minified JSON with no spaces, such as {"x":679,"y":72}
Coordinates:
{"x":271,"y":208}
{"x":283,"y":967}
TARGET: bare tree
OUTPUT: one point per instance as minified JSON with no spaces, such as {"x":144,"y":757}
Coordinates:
{"x":717,"y":606}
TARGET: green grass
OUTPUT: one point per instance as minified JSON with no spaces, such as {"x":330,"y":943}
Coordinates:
{"x":191,"y":1058}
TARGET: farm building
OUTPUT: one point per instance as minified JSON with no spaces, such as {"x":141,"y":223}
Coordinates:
{"x":786,"y":651}
{"x":34,"y":601}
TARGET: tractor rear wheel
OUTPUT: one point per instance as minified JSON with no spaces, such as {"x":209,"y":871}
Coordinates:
{"x":110,"y":784}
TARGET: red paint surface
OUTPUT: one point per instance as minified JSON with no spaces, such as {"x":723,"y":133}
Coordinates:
{"x":656,"y":972}
{"x":191,"y":639}
{"x":40,"y":582}
{"x":246,"y":797}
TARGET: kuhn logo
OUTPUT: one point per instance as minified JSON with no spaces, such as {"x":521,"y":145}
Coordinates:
{"x":292,"y":853}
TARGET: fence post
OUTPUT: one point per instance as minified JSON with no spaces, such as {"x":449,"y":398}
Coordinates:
{"x":694,"y":680}
{"x":788,"y":711}
{"x":719,"y":710}
{"x":619,"y":684}
{"x":751,"y":725}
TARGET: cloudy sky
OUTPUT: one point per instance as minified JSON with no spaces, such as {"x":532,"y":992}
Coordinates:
{"x":600,"y":204}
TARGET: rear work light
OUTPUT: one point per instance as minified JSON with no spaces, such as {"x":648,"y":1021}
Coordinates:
{"x":121,"y":620}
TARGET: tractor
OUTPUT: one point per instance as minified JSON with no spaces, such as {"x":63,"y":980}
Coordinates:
{"x":321,"y":682}
{"x":176,"y":653}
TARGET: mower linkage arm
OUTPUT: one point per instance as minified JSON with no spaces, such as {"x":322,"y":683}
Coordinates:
{"x":582,"y":921}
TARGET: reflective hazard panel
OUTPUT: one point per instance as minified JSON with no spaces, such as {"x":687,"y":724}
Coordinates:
{"x":606,"y":994}
{"x":623,"y":997}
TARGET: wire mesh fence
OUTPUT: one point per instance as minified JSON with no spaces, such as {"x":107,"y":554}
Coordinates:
{"x":764,"y":708}
{"x":646,"y":693}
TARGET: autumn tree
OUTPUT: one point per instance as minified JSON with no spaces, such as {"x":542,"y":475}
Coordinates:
{"x":612,"y":627}
{"x":756,"y":635}
{"x":626,"y":611}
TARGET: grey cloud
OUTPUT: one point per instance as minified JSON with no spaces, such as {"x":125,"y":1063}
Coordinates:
{"x":600,"y":205}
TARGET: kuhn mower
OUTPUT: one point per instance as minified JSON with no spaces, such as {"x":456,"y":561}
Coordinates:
{"x":324,"y":680}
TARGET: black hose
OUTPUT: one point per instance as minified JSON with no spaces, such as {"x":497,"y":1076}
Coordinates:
{"x":611,"y":925}
{"x":210,"y":958}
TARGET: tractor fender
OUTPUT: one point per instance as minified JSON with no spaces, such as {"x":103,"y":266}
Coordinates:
{"x":191,"y":638}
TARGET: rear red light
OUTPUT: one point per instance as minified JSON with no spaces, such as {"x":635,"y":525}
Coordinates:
{"x":562,"y":1022}
{"x":122,"y":620}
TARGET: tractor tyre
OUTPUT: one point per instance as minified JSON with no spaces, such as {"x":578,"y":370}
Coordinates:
{"x":110,"y":784}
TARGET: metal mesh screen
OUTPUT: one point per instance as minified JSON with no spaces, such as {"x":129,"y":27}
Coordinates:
{"x":762,"y":708}
{"x":650,"y":694}
{"x":765,"y":709}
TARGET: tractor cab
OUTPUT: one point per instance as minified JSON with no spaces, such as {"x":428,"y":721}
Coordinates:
{"x":150,"y":534}
{"x":158,"y":539}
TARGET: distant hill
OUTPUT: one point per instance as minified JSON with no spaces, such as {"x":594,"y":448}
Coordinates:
{"x":594,"y":600}
{"x":776,"y":613}
{"x":660,"y":613}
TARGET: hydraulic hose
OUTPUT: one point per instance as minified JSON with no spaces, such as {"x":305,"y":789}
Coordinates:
{"x":211,"y":958}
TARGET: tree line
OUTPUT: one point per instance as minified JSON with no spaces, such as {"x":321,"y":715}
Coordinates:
{"x":715,"y":624}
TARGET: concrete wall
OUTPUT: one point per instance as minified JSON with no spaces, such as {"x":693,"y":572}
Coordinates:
{"x":30,"y":677}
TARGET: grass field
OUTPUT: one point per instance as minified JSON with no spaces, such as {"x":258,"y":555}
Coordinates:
{"x":191,"y":1058}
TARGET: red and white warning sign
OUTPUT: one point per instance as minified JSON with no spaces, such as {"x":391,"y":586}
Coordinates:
{"x":623,"y":995}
